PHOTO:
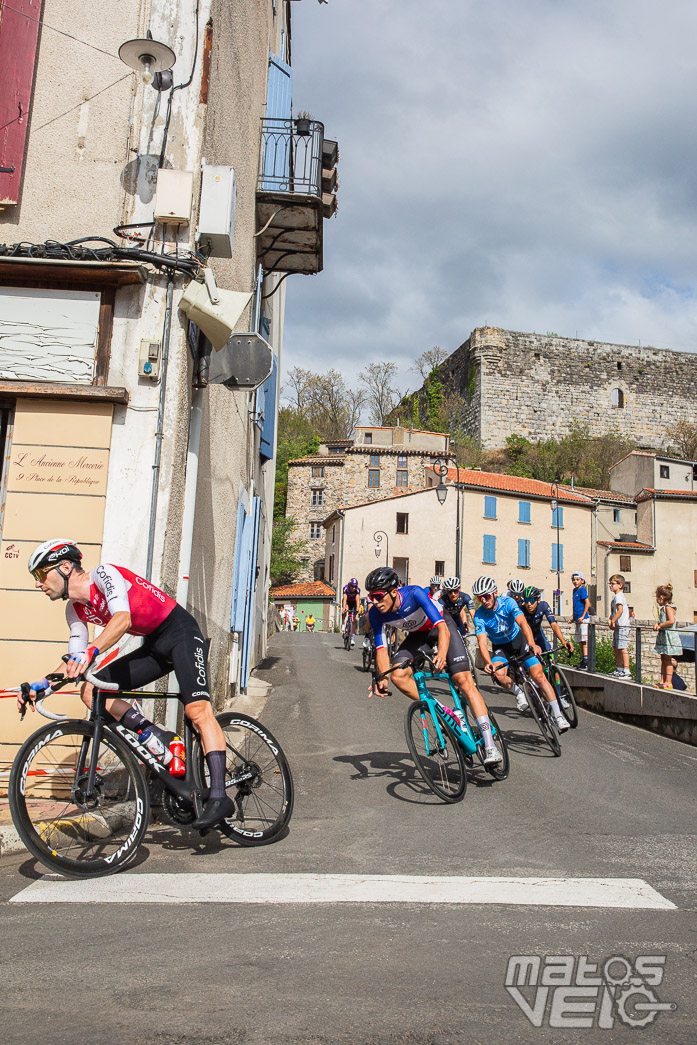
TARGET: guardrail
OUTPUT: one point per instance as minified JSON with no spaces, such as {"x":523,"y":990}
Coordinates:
{"x":641,"y":645}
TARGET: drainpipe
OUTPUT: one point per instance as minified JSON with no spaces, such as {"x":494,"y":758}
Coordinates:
{"x":159,"y":431}
{"x":341,"y":566}
{"x":187,"y":537}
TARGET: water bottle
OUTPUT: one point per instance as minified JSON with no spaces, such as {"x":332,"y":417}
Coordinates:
{"x":155,"y":746}
{"x":460,"y":716}
{"x":176,"y":750}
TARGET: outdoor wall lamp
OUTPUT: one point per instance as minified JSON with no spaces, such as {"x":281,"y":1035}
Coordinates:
{"x":149,"y":57}
{"x":441,"y":490}
{"x":377,"y":537}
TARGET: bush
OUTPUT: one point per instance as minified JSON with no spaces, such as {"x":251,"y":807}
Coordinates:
{"x":605,"y":661}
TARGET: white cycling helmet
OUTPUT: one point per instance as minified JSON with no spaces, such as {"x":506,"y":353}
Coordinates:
{"x":517,"y":587}
{"x":451,"y":584}
{"x":484,"y":586}
{"x":434,"y":581}
{"x":51,"y":554}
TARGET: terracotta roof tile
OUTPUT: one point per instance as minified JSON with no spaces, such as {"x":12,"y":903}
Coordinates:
{"x":513,"y":484}
{"x":635,"y":546}
{"x":606,"y":495}
{"x":305,"y":590}
{"x":320,"y":459}
{"x":648,"y":492}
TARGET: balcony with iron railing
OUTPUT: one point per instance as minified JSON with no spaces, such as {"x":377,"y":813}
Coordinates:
{"x":296,"y":190}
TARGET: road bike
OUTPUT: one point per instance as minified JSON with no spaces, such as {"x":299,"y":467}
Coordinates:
{"x":348,"y":629}
{"x":368,"y":652}
{"x":539,"y":707}
{"x":79,"y":789}
{"x":560,"y":685}
{"x":442,"y":740}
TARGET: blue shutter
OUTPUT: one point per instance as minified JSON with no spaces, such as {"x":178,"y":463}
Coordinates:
{"x":278,"y":137}
{"x":560,"y":565}
{"x":240,"y":570}
{"x":489,"y":548}
{"x":253,"y":519}
{"x":489,"y":507}
{"x":524,"y":511}
{"x":266,"y":401}
{"x":523,"y":552}
{"x":558,"y":517}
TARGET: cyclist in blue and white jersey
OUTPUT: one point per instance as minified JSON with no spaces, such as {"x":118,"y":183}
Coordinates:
{"x":411,"y":609}
{"x":536,"y":612}
{"x":502,"y":621}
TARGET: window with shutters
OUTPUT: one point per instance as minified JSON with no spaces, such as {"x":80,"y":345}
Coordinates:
{"x":489,"y":507}
{"x":373,"y":477}
{"x":317,"y":471}
{"x":315,"y":530}
{"x":19,"y":35}
{"x":558,"y":517}
{"x":558,"y":557}
{"x":625,"y":564}
{"x":489,"y":550}
{"x":524,"y":512}
{"x":402,"y":477}
{"x":524,"y":554}
{"x":317,"y":498}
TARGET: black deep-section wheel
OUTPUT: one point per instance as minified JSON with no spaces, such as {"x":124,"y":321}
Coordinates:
{"x":367,"y":657}
{"x":543,"y":718}
{"x":71,"y":831}
{"x":563,"y":690}
{"x":264,"y":798}
{"x":440,"y":762}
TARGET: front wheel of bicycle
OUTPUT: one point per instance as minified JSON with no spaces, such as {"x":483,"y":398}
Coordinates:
{"x":537,"y":702}
{"x":440,"y":762}
{"x":264,"y":798}
{"x":367,"y":657}
{"x":74,"y":832}
{"x":565,"y":695}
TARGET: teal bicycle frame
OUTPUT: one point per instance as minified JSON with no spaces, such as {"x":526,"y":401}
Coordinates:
{"x":461,"y":729}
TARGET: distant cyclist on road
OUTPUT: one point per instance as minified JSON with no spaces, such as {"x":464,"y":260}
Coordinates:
{"x":410,"y":609}
{"x":457,"y":603}
{"x":350,"y":600}
{"x":537,"y":611}
{"x":123,"y":603}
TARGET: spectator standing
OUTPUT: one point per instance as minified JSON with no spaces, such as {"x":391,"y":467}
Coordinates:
{"x":581,"y":615}
{"x":618,"y":622}
{"x":668,"y":644}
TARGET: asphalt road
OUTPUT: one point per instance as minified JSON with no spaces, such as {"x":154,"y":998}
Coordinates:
{"x":619,"y":803}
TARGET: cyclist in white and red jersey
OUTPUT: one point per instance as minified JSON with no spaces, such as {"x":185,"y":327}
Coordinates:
{"x":121,"y":602}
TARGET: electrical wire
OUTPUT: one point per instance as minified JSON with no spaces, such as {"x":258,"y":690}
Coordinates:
{"x":53,"y":29}
{"x":86,"y":249}
{"x":179,"y":87}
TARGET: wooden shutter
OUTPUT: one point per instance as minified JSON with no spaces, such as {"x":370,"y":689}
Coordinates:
{"x":19,"y":34}
{"x":266,"y":398}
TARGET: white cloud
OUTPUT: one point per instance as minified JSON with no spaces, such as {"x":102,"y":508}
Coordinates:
{"x":526,"y":165}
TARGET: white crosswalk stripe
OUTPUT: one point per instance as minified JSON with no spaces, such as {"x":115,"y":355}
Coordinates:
{"x":632,"y":893}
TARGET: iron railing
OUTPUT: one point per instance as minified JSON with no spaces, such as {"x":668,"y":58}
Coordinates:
{"x":290,"y":157}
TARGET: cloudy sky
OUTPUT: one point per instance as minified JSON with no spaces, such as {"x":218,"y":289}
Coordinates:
{"x":528,"y":164}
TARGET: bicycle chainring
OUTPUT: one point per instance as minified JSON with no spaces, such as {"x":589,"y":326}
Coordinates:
{"x":176,"y":810}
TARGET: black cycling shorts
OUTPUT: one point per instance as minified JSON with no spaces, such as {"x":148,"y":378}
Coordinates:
{"x":457,"y":658}
{"x":517,"y":647}
{"x":175,"y":645}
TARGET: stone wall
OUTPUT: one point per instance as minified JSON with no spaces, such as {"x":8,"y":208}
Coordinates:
{"x":537,"y":385}
{"x":344,"y":483}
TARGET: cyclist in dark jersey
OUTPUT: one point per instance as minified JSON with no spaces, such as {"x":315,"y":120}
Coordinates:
{"x":123,"y":603}
{"x":537,"y":611}
{"x":349,"y":604}
{"x":456,"y":602}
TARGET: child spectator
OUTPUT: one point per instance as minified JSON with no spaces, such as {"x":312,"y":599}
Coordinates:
{"x":678,"y":680}
{"x":618,"y":622}
{"x":668,"y":644}
{"x":581,"y":610}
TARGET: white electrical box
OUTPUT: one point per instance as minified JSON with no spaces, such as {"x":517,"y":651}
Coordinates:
{"x":216,"y":221}
{"x":173,"y":197}
{"x":149,"y":360}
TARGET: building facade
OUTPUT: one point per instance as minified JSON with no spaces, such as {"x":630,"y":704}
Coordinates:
{"x":133,"y":417}
{"x":538,"y":385}
{"x":377,"y":462}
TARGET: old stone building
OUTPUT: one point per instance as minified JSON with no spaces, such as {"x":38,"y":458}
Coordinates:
{"x":376,"y":463}
{"x":537,"y":385}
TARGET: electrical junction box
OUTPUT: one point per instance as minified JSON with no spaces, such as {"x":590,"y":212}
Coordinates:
{"x":173,"y":197}
{"x":149,"y":360}
{"x":216,"y":221}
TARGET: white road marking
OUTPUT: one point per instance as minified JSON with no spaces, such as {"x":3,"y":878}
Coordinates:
{"x":632,"y":893}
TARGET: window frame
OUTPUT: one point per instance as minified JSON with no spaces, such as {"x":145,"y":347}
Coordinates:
{"x":489,"y":499}
{"x":625,"y":564}
{"x":557,"y":568}
{"x":317,"y":471}
{"x":402,"y":478}
{"x":492,"y":538}
{"x":525,"y":508}
{"x":317,"y":497}
{"x":373,"y":478}
{"x":405,"y":517}
{"x":524,"y":547}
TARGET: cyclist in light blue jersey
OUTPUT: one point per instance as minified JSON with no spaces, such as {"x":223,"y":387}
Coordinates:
{"x":411,"y":609}
{"x":501,"y":620}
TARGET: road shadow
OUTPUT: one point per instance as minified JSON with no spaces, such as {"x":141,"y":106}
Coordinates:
{"x":405,"y":783}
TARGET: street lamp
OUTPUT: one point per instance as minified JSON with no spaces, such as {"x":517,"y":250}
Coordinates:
{"x":441,"y":468}
{"x":377,"y":537}
{"x":555,"y":522}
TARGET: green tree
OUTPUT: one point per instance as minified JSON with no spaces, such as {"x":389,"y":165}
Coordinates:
{"x":415,"y":419}
{"x":434,"y":401}
{"x":286,"y":551}
{"x":296,"y":438}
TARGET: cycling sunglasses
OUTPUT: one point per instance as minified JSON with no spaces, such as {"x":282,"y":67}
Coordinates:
{"x":41,"y":573}
{"x":487,"y":595}
{"x":378,"y":594}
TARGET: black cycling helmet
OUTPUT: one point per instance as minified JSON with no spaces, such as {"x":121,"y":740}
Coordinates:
{"x":531,"y":593}
{"x":384,"y":578}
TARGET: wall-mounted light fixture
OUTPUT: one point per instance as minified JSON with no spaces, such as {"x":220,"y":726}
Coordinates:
{"x":149,"y":57}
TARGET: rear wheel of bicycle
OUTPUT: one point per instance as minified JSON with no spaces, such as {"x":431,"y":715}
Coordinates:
{"x":74,"y":833}
{"x":367,"y":657}
{"x":441,"y":764}
{"x":564,"y":692}
{"x":543,"y":718}
{"x":347,"y":637}
{"x":264,"y":801}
